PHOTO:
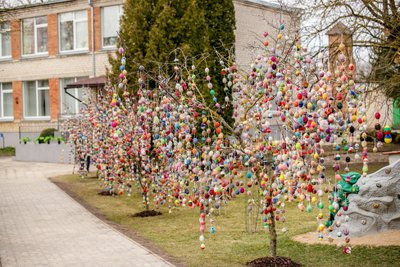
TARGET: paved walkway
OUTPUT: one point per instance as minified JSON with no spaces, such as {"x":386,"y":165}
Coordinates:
{"x":40,"y":225}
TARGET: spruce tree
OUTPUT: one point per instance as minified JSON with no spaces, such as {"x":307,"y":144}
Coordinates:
{"x":178,"y":24}
{"x":220,"y":17}
{"x":136,"y":23}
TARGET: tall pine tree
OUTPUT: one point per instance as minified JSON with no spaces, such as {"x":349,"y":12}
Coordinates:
{"x":136,"y":23}
{"x":220,"y":17}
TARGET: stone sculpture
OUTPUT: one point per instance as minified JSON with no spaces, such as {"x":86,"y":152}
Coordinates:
{"x":375,"y":208}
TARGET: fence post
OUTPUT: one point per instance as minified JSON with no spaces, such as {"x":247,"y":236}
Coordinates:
{"x":2,"y":137}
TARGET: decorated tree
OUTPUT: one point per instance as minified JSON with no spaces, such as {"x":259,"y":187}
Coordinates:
{"x":160,"y":133}
{"x":375,"y":29}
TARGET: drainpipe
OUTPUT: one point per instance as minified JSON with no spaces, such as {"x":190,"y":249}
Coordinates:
{"x":90,"y":2}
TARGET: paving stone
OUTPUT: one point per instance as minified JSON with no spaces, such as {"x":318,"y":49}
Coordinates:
{"x":40,"y":225}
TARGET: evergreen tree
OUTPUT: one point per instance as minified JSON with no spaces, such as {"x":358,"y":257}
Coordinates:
{"x":220,"y":17}
{"x":134,"y":32}
{"x":179,"y":24}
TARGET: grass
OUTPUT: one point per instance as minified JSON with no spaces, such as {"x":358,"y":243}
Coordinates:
{"x":7,"y":151}
{"x":177,"y":233}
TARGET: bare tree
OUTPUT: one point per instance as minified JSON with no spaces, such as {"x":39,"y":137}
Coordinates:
{"x":7,"y":6}
{"x":375,"y":26}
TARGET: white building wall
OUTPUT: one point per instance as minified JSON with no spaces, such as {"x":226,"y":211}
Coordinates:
{"x":56,"y":67}
{"x":252,"y":20}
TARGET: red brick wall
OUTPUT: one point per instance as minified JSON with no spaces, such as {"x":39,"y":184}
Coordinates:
{"x":15,"y":39}
{"x":97,"y":29}
{"x":54,"y":98}
{"x":17,"y":98}
{"x":52,"y":20}
{"x":89,"y":28}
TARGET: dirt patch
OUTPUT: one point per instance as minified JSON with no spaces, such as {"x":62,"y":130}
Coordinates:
{"x":387,"y":238}
{"x":120,"y":228}
{"x":273,"y":262}
{"x":106,"y":193}
{"x":147,"y":213}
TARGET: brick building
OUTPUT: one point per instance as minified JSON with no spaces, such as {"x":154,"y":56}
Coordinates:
{"x":46,"y":46}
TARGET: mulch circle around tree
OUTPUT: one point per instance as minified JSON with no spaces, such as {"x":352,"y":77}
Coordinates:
{"x":147,"y":213}
{"x":273,"y":262}
{"x":106,"y":193}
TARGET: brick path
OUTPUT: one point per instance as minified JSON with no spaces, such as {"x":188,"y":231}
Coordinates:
{"x":40,"y":225}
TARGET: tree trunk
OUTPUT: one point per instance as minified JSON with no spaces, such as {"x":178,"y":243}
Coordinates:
{"x":272,"y":235}
{"x":146,"y":199}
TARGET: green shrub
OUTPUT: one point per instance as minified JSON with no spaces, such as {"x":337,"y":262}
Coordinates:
{"x":24,"y":140}
{"x":7,"y":151}
{"x":59,"y":139}
{"x":48,"y":132}
{"x":39,"y":139}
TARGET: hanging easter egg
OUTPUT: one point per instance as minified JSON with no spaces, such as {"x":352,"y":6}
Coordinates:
{"x":379,"y":135}
{"x":388,"y":138}
{"x":309,"y":208}
{"x":387,"y":130}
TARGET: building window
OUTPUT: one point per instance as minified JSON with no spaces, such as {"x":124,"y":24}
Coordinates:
{"x":34,"y":35}
{"x":5,"y":39}
{"x":73,"y":31}
{"x":110,"y":17}
{"x":6,"y":100}
{"x":69,"y":105}
{"x":36,"y":99}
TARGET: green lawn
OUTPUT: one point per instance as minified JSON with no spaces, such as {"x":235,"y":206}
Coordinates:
{"x":177,"y":233}
{"x":7,"y":151}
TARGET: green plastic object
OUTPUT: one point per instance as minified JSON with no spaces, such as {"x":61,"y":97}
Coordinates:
{"x":345,"y":187}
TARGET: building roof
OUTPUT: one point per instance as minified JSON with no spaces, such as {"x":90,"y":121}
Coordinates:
{"x":338,"y":29}
{"x":270,"y":4}
{"x":35,"y":4}
{"x":96,"y":82}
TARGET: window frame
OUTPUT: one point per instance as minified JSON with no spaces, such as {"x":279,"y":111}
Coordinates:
{"x":37,"y":88}
{"x":74,"y":22}
{"x":1,"y":33}
{"x":121,"y":10}
{"x":35,"y":29}
{"x":75,"y":90}
{"x":2,"y":92}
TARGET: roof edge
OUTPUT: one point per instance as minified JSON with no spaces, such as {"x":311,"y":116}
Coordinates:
{"x":51,"y":2}
{"x":270,"y":5}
